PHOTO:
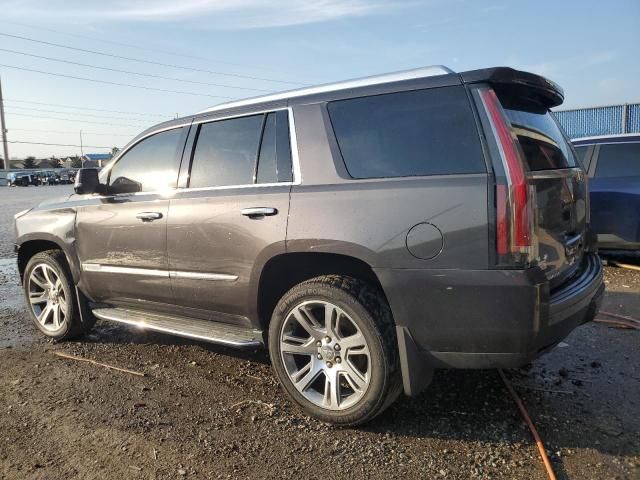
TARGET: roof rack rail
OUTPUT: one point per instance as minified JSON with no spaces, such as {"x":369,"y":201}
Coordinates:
{"x":421,"y":72}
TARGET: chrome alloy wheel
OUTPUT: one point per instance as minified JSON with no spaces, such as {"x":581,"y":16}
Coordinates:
{"x":325,"y":355}
{"x":47,"y":298}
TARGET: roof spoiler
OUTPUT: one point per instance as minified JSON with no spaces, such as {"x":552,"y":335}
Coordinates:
{"x":509,"y":81}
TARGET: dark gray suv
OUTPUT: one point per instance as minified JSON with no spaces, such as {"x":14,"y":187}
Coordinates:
{"x":367,"y":232}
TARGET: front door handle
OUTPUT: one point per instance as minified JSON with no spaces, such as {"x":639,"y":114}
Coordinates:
{"x":149,"y":216}
{"x":257,"y":212}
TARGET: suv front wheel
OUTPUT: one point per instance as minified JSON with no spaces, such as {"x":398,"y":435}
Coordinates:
{"x":50,"y":294}
{"x":333,"y":349}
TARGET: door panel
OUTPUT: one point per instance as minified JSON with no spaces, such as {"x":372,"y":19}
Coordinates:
{"x":213,"y":248}
{"x":122,"y":237}
{"x":124,"y":257}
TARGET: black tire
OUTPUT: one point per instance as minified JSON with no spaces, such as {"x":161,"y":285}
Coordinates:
{"x":73,"y":325}
{"x":367,"y":308}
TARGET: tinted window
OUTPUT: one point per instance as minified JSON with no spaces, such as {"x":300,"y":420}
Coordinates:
{"x":274,"y":162}
{"x":619,"y":160}
{"x":543,"y":144}
{"x":150,"y":165}
{"x":226,"y":152}
{"x":283,"y":147}
{"x":422,"y":132}
{"x":267,"y":161}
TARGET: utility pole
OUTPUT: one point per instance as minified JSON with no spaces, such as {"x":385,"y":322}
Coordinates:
{"x":3,"y":125}
{"x":81,"y":149}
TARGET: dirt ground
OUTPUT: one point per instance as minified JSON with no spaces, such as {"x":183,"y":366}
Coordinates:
{"x":203,"y":411}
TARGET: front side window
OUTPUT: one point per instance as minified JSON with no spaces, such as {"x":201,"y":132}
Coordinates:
{"x":149,"y":166}
{"x":618,"y":160}
{"x":420,"y":132}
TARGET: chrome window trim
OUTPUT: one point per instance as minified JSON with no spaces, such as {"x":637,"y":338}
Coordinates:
{"x":293,"y":142}
{"x":227,"y":187}
{"x":295,"y":154}
{"x":150,"y":272}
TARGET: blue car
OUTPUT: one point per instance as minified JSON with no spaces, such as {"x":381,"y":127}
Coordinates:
{"x":613,"y":165}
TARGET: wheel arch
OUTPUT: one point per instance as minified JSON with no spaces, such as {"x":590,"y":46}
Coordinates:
{"x":29,"y":247}
{"x":282,"y":272}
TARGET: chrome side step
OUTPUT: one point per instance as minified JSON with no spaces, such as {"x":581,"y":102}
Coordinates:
{"x":205,"y":330}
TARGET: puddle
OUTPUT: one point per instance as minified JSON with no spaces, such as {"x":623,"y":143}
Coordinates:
{"x":10,"y":288}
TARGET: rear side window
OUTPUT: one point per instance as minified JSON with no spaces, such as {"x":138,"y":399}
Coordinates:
{"x":274,"y":161}
{"x":226,"y":152}
{"x":242,"y":151}
{"x":150,"y":165}
{"x":618,"y":160}
{"x":421,"y":132}
{"x":542,"y":142}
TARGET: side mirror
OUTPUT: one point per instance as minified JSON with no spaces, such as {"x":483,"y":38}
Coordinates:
{"x":87,"y":182}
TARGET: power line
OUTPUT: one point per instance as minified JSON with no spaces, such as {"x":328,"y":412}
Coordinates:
{"x":67,"y":132}
{"x":44,"y":117}
{"x":112,"y":83}
{"x":131,"y":45}
{"x":87,"y":108}
{"x":150,"y":62}
{"x":129,"y":72}
{"x":54,"y":144}
{"x":81,"y":114}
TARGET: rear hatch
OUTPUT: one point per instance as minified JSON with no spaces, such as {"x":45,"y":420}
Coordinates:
{"x":558,"y":186}
{"x":540,"y":196}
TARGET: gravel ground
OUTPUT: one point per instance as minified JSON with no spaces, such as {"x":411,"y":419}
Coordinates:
{"x":204,"y":411}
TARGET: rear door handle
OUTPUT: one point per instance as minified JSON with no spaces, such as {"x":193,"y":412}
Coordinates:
{"x":257,"y":212}
{"x":149,"y":216}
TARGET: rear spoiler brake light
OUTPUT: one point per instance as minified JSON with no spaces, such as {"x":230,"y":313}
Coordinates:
{"x":507,"y":80}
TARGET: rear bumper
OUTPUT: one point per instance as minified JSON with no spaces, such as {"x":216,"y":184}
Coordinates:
{"x":484,"y":319}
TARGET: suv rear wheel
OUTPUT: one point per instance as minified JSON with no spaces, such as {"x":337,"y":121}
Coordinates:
{"x":333,"y":349}
{"x":51,"y":296}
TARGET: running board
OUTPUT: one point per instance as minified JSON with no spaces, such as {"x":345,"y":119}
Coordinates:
{"x":205,"y":330}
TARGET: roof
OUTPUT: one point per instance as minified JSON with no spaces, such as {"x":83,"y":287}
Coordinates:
{"x":618,"y":138}
{"x":412,"y":74}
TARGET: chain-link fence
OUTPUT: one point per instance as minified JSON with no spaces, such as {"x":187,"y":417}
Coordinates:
{"x":607,"y":120}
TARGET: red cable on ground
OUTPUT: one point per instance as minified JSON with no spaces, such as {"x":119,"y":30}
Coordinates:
{"x":618,"y":323}
{"x":527,"y":419}
{"x":621,"y":317}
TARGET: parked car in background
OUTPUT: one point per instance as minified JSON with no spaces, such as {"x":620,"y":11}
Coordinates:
{"x":51,"y":178}
{"x":20,"y":179}
{"x":613,"y":166}
{"x":367,"y":232}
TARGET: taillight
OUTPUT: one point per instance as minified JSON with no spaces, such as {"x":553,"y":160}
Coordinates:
{"x":514,"y":205}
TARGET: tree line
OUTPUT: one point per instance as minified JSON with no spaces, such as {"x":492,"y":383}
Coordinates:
{"x":31,"y":162}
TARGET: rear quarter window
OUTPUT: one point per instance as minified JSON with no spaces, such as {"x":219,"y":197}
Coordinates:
{"x":619,"y":160}
{"x":420,"y":132}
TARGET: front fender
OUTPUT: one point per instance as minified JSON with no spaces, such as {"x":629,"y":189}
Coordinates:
{"x":54,"y":226}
